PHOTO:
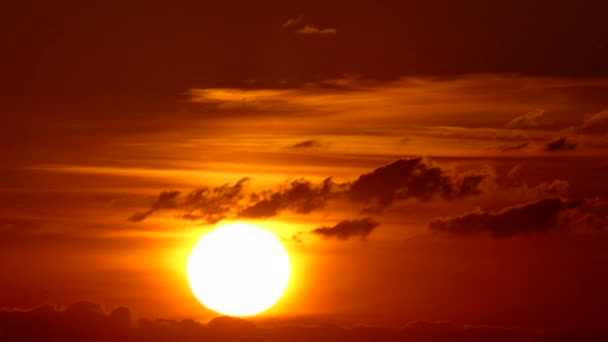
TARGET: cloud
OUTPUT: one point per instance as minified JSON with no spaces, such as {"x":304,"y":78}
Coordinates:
{"x":81,"y":321}
{"x":313,"y":30}
{"x":377,"y":190}
{"x":291,"y":22}
{"x":299,"y":196}
{"x":558,"y":187}
{"x":206,"y":204}
{"x":528,"y":120}
{"x":514,"y":171}
{"x":166,"y":200}
{"x":560,"y":144}
{"x":307,"y":144}
{"x":347,"y":229}
{"x":415,"y":178}
{"x":545,"y":215}
{"x":296,"y":24}
{"x":595,"y":123}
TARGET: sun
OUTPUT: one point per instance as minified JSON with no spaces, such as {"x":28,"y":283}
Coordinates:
{"x":238,"y":269}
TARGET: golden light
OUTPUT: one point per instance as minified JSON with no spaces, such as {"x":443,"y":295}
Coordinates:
{"x":238,"y":269}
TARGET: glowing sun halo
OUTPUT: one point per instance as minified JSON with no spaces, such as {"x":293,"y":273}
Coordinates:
{"x":238,"y":269}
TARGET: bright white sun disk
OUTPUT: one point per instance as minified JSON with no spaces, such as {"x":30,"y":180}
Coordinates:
{"x":238,"y":269}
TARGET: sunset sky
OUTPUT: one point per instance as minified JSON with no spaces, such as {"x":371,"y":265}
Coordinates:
{"x":421,"y":161}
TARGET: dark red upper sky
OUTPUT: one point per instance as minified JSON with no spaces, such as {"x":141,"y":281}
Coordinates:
{"x":465,"y":142}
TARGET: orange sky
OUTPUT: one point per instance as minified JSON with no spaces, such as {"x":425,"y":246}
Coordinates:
{"x":466,"y":165}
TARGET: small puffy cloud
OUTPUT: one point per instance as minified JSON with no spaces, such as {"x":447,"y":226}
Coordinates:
{"x":347,"y":229}
{"x":560,"y":144}
{"x":313,"y":30}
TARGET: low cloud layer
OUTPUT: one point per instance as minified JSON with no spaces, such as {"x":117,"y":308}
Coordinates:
{"x":86,"y":321}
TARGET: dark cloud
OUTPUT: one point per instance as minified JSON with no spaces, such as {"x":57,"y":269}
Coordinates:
{"x":89,"y":322}
{"x":307,"y":144}
{"x":299,"y":196}
{"x":166,"y":200}
{"x":82,"y":321}
{"x":206,"y":204}
{"x":415,"y":178}
{"x":347,"y":229}
{"x":548,"y":214}
{"x":402,"y":179}
{"x":561,"y":144}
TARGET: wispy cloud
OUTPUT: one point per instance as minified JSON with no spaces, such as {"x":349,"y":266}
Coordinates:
{"x":296,"y":25}
{"x":313,"y":30}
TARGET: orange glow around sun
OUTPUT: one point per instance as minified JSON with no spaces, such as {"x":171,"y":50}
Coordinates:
{"x":238,"y":269}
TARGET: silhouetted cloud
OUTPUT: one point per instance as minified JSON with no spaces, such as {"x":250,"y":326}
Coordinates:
{"x":207,"y":204}
{"x":166,"y":200}
{"x":347,"y":229}
{"x":415,"y":178}
{"x":544,"y":215}
{"x":300,"y":196}
{"x":561,"y":144}
{"x":89,"y":322}
{"x":82,"y":321}
{"x":307,"y":144}
{"x":411,"y":178}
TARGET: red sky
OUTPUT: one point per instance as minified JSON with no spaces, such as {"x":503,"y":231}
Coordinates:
{"x":423,"y":161}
